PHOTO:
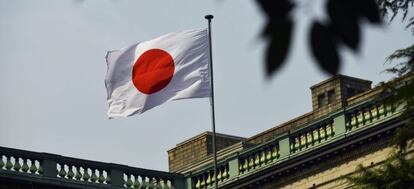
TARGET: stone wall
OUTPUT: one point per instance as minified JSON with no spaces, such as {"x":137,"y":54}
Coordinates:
{"x":198,"y":148}
{"x":330,"y":174}
{"x":341,"y":86}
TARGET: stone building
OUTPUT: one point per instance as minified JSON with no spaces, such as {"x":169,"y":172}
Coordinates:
{"x":350,"y":124}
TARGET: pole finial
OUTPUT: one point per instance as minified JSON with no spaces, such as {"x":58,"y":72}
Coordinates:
{"x":209,"y":17}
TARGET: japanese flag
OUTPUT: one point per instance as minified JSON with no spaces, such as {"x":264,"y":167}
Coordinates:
{"x":171,"y":67}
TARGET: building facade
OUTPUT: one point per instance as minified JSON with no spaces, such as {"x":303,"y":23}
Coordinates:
{"x":350,"y":124}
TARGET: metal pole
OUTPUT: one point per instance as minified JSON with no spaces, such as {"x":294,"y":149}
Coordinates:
{"x":209,"y":18}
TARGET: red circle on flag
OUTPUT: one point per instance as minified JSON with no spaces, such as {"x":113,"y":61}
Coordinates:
{"x":152,"y":71}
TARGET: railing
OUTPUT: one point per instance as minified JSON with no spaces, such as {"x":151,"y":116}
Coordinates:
{"x":24,"y":163}
{"x":67,"y":171}
{"x":312,"y":135}
{"x":71,"y":172}
{"x":206,"y":178}
{"x":323,"y":132}
{"x":364,"y":115}
{"x":258,"y":157}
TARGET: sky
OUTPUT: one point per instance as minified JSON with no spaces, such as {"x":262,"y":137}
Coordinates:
{"x":52,"y":69}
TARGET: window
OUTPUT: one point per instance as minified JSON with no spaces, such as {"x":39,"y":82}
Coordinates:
{"x":321,"y":100}
{"x":331,"y":96}
{"x":350,"y":91}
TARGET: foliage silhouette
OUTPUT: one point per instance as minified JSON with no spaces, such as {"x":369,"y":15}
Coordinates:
{"x":343,"y":27}
{"x":278,"y":30}
{"x":398,"y":170}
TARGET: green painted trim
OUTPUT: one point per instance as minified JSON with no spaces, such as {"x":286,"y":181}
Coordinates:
{"x":339,"y":125}
{"x":284,"y":147}
{"x":234,"y":168}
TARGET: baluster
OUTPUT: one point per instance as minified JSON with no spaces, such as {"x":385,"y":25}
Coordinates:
{"x":370,"y":114}
{"x":158,"y":183}
{"x":101,"y":178}
{"x":17,"y":165}
{"x":302,"y":141}
{"x":316,"y":136}
{"x":208,"y":181}
{"x":144,"y":182}
{"x":328,"y":131}
{"x":70,"y":174}
{"x":251,"y":162}
{"x":309,"y":137}
{"x":203,"y":181}
{"x":108,"y":179}
{"x":364,"y":121}
{"x":62,"y":172}
{"x":381,"y":109}
{"x":152,"y":184}
{"x":268,"y":154}
{"x":198,"y":183}
{"x":219,"y":175}
{"x":94,"y":177}
{"x":297,"y":143}
{"x":165,"y":184}
{"x":136,"y":184}
{"x":225,"y":173}
{"x":25,"y":166}
{"x":86,"y":175}
{"x":9,"y":164}
{"x":360,"y":118}
{"x":353,"y":120}
{"x":322,"y":132}
{"x":241,"y":170}
{"x":128,"y":181}
{"x":78,"y":174}
{"x":275,"y":153}
{"x":33,"y":167}
{"x":263,"y":157}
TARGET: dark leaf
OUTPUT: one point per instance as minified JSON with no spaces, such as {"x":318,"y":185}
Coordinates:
{"x":357,"y":9}
{"x":278,"y":31}
{"x":369,"y":9}
{"x":348,"y":32}
{"x":278,"y":47}
{"x":276,"y":9}
{"x":344,"y":23}
{"x":324,"y":49}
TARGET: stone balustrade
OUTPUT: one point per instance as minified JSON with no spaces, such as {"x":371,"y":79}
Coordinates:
{"x":364,"y":115}
{"x":72,"y":172}
{"x":207,"y":178}
{"x":327,"y":130}
{"x":312,"y":135}
{"x":258,"y":157}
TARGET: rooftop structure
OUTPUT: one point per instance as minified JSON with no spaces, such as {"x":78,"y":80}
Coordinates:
{"x":350,"y":124}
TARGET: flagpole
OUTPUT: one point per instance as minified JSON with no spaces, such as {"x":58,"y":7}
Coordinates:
{"x":209,"y":18}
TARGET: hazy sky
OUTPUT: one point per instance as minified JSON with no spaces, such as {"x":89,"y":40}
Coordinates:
{"x":52,"y":70}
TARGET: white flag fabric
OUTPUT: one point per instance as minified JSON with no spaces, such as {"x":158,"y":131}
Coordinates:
{"x":147,"y":74}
